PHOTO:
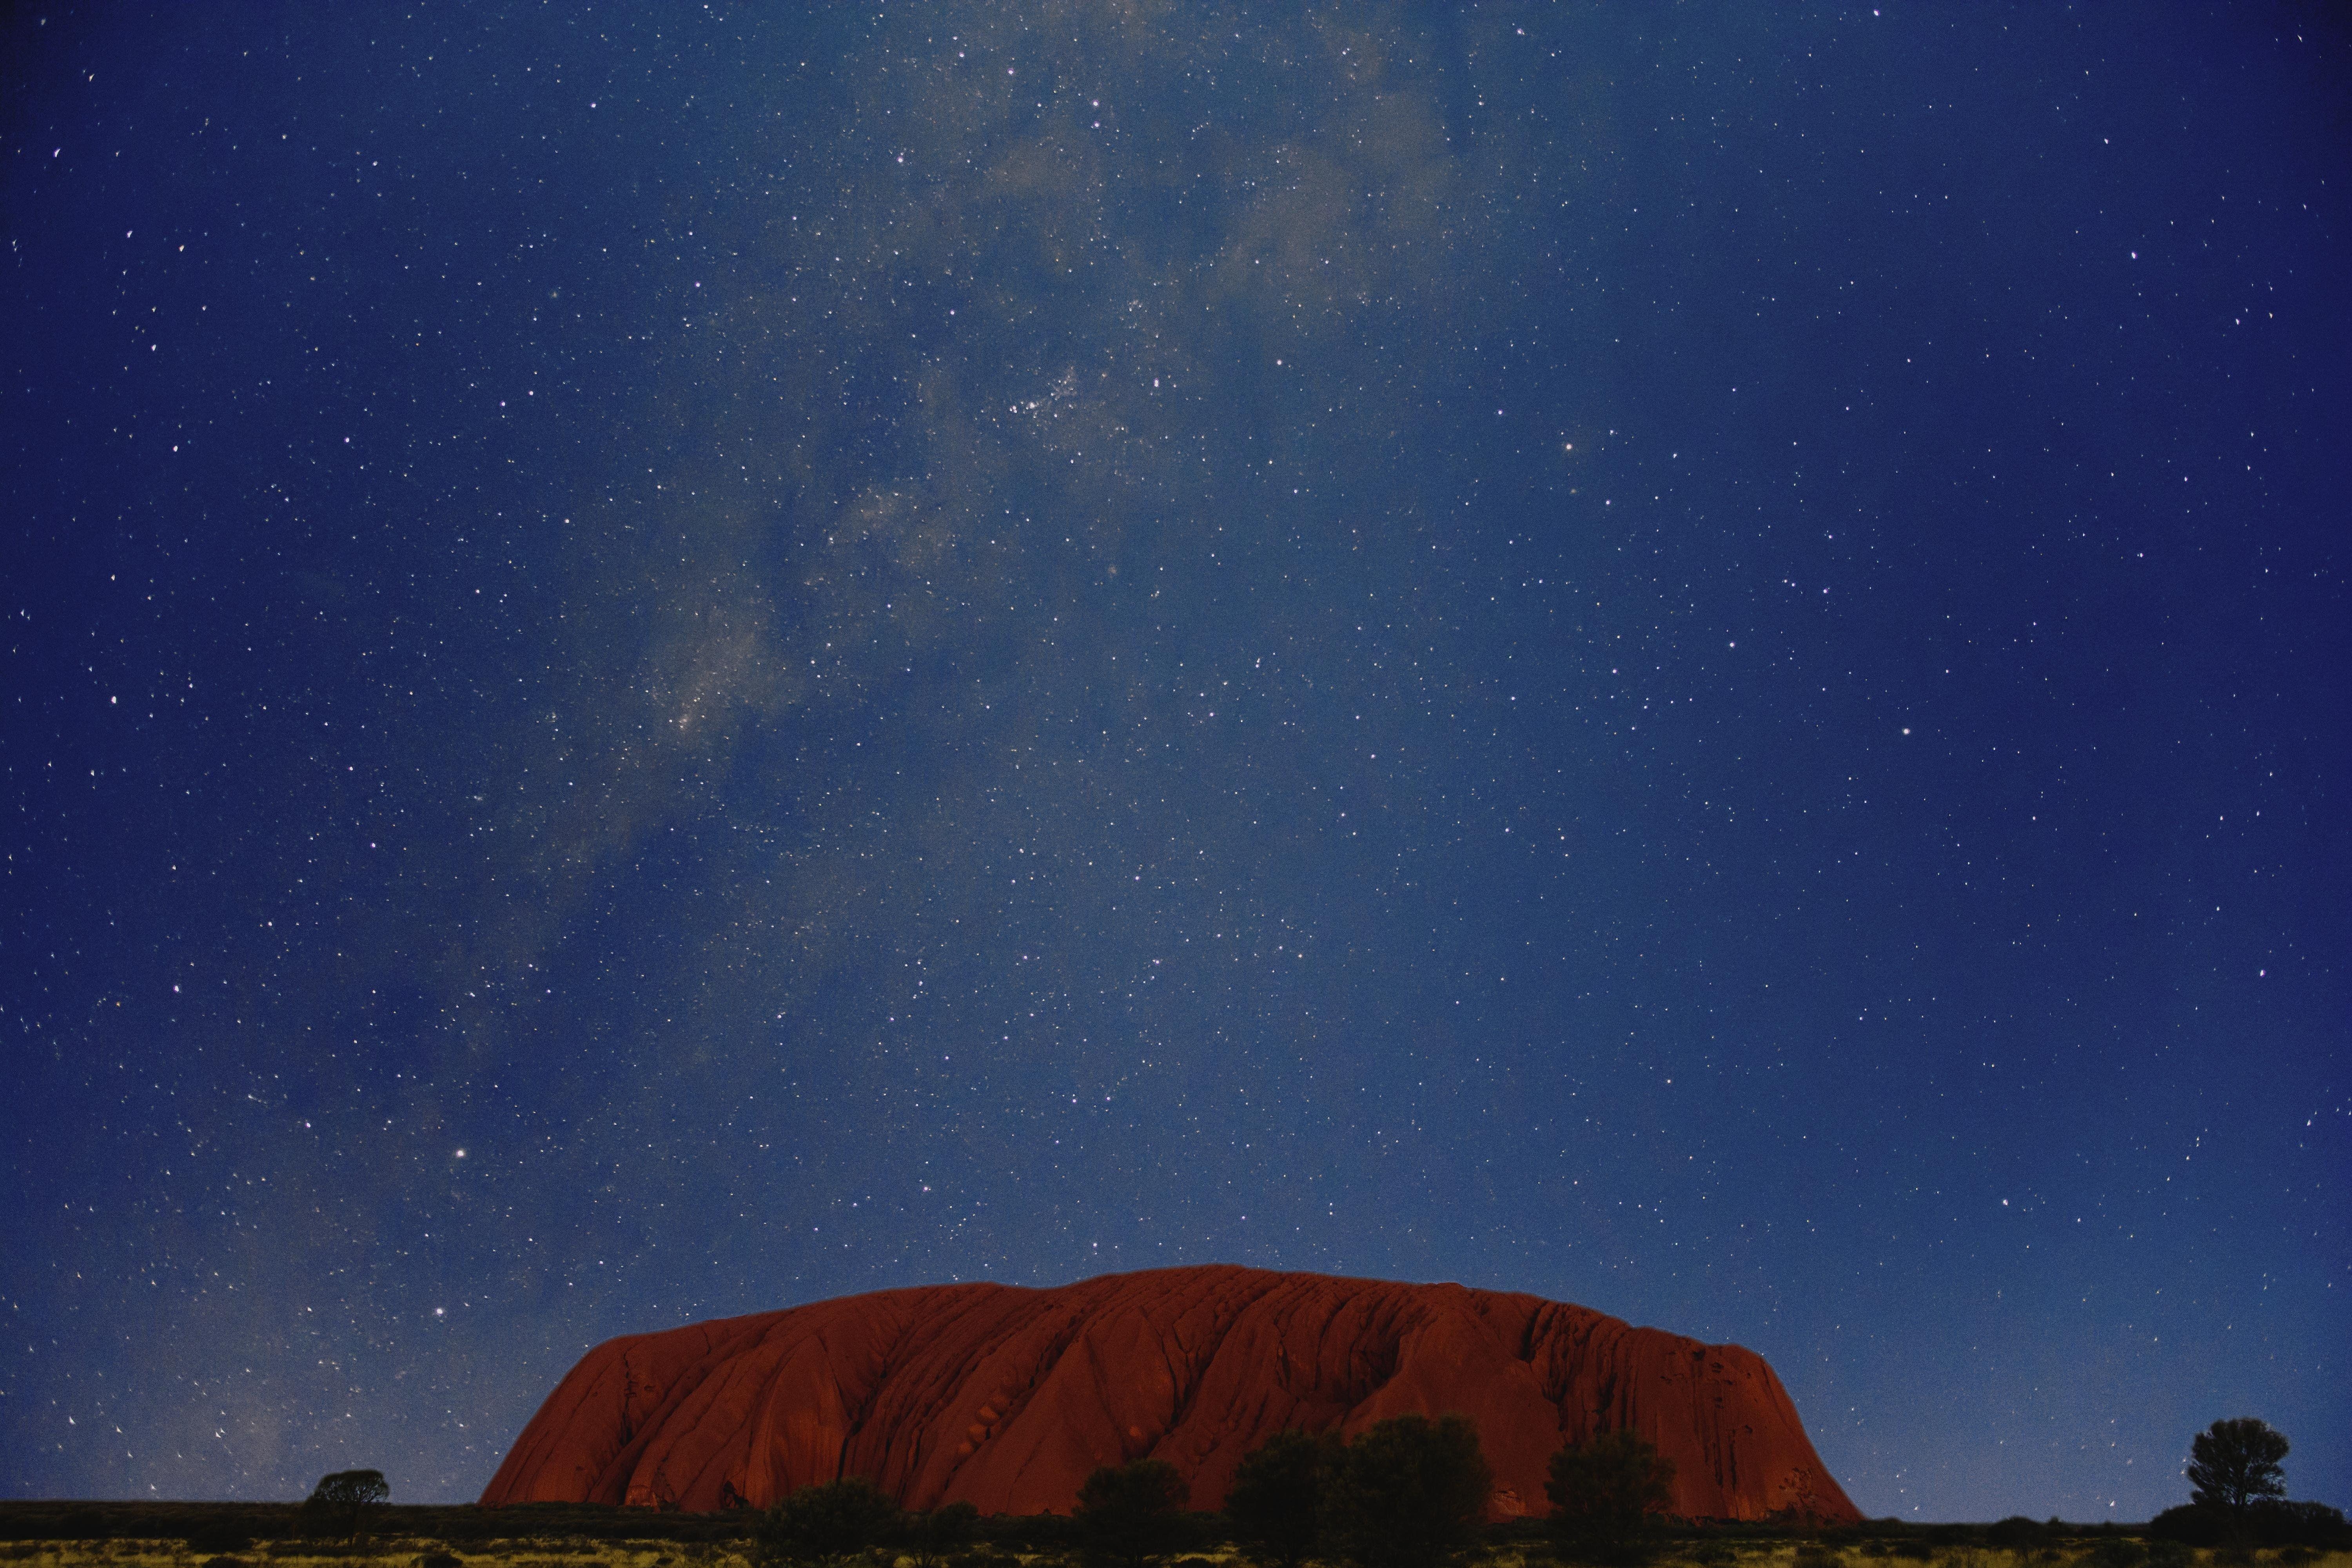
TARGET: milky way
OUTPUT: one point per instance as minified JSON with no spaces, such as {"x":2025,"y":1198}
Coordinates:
{"x":665,"y":664}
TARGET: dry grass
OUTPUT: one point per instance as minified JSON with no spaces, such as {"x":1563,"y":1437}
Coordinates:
{"x":397,"y":1553}
{"x":408,"y":1551}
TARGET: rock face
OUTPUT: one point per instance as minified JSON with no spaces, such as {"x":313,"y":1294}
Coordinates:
{"x":1007,"y":1398}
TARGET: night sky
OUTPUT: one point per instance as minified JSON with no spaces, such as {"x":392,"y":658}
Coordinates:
{"x":664,"y":661}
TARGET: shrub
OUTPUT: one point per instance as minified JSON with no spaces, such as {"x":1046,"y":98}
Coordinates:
{"x":1276,"y":1501}
{"x":1128,"y":1514}
{"x":827,"y":1524}
{"x":2189,"y":1524}
{"x":341,"y":1501}
{"x":943,"y":1534}
{"x":2120,"y":1553}
{"x":2016,"y":1532}
{"x":2302,"y":1524}
{"x":1409,"y":1493}
{"x":1603,"y":1493}
{"x":2269,"y":1522}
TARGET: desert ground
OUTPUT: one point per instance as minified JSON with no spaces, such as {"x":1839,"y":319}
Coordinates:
{"x":420,"y":1551}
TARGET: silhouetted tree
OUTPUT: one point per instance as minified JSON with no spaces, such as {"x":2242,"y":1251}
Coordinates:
{"x":1409,"y":1493}
{"x":2016,"y":1533}
{"x":943,"y":1531}
{"x":1603,"y":1493}
{"x":1128,"y":1514}
{"x":2234,"y":1464}
{"x":1276,"y":1501}
{"x":343,"y":1499}
{"x":827,"y":1524}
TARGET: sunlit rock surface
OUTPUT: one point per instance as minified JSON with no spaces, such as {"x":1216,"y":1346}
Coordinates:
{"x":1006,"y":1398}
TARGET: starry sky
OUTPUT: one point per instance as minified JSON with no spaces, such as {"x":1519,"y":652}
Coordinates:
{"x":666,"y":661}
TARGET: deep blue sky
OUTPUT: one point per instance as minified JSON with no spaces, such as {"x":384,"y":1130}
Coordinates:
{"x":663,"y":662}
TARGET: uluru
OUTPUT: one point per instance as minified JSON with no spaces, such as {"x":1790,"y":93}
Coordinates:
{"x":1008,"y":1397}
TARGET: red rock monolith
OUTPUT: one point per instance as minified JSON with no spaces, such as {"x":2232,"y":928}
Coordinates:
{"x":1007,"y":1398}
